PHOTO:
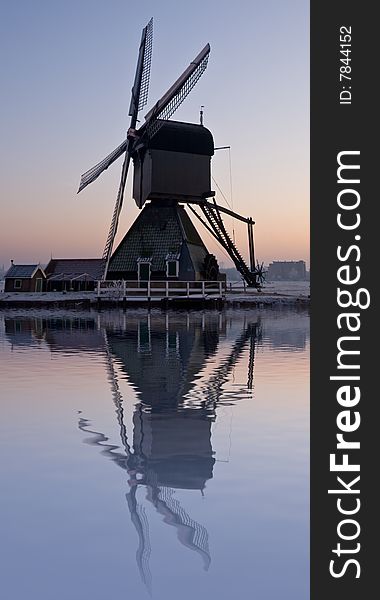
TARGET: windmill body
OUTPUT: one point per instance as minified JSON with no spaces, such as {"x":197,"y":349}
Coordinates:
{"x":172,"y":167}
{"x":176,"y":165}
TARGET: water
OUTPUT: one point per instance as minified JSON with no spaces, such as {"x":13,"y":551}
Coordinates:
{"x":154,"y":454}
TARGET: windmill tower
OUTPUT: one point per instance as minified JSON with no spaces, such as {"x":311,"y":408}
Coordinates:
{"x":172,"y":169}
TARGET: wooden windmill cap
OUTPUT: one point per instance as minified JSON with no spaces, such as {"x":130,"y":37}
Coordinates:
{"x":183,"y":137}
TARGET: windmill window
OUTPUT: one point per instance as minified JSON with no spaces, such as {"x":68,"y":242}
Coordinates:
{"x":17,"y":284}
{"x":172,"y":268}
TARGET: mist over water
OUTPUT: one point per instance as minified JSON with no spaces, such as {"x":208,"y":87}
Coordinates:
{"x":155,"y":454}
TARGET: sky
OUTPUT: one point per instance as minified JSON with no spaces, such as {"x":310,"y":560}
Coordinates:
{"x":66,"y":72}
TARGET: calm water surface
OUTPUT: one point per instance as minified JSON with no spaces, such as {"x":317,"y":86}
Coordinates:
{"x":161,"y":454}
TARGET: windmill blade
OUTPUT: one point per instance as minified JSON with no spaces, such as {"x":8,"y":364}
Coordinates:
{"x":115,"y":217}
{"x":93,"y":173}
{"x":168,"y":104}
{"x":141,"y":84}
{"x":138,"y":101}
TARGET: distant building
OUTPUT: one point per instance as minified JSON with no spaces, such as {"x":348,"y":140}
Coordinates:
{"x":24,"y":278}
{"x":287,"y":271}
{"x":73,"y":274}
{"x":231,"y":274}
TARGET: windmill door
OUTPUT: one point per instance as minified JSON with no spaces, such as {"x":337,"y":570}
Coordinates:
{"x":143,"y":273}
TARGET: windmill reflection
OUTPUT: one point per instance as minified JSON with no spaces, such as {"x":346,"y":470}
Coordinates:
{"x":171,"y":444}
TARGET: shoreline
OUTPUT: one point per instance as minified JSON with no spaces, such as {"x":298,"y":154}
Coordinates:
{"x":88,"y":300}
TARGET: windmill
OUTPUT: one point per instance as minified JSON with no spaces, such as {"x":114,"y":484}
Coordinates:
{"x":171,"y":168}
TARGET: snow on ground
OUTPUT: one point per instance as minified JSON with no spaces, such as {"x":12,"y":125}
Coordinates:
{"x":271,"y":291}
{"x":46,"y":296}
{"x":300,"y":289}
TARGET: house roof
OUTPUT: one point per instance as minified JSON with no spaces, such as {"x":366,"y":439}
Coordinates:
{"x":64,"y":269}
{"x":160,"y":230}
{"x":22,"y":271}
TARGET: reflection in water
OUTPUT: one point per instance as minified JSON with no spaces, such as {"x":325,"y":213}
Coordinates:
{"x":163,"y":357}
{"x":171,"y":447}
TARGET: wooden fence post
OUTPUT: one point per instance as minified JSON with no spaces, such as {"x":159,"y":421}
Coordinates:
{"x":98,"y":294}
{"x":124,"y":294}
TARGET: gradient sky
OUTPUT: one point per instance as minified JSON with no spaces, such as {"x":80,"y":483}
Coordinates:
{"x":66,"y":73}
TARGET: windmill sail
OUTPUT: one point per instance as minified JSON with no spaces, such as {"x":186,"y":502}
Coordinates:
{"x":141,"y":84}
{"x":93,"y":173}
{"x":168,"y":104}
{"x":138,"y":100}
{"x":116,"y":214}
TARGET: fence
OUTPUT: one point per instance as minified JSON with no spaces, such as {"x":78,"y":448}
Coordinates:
{"x":158,"y":290}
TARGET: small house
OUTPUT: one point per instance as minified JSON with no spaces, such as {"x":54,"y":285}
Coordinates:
{"x":73,"y":274}
{"x":24,"y":278}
